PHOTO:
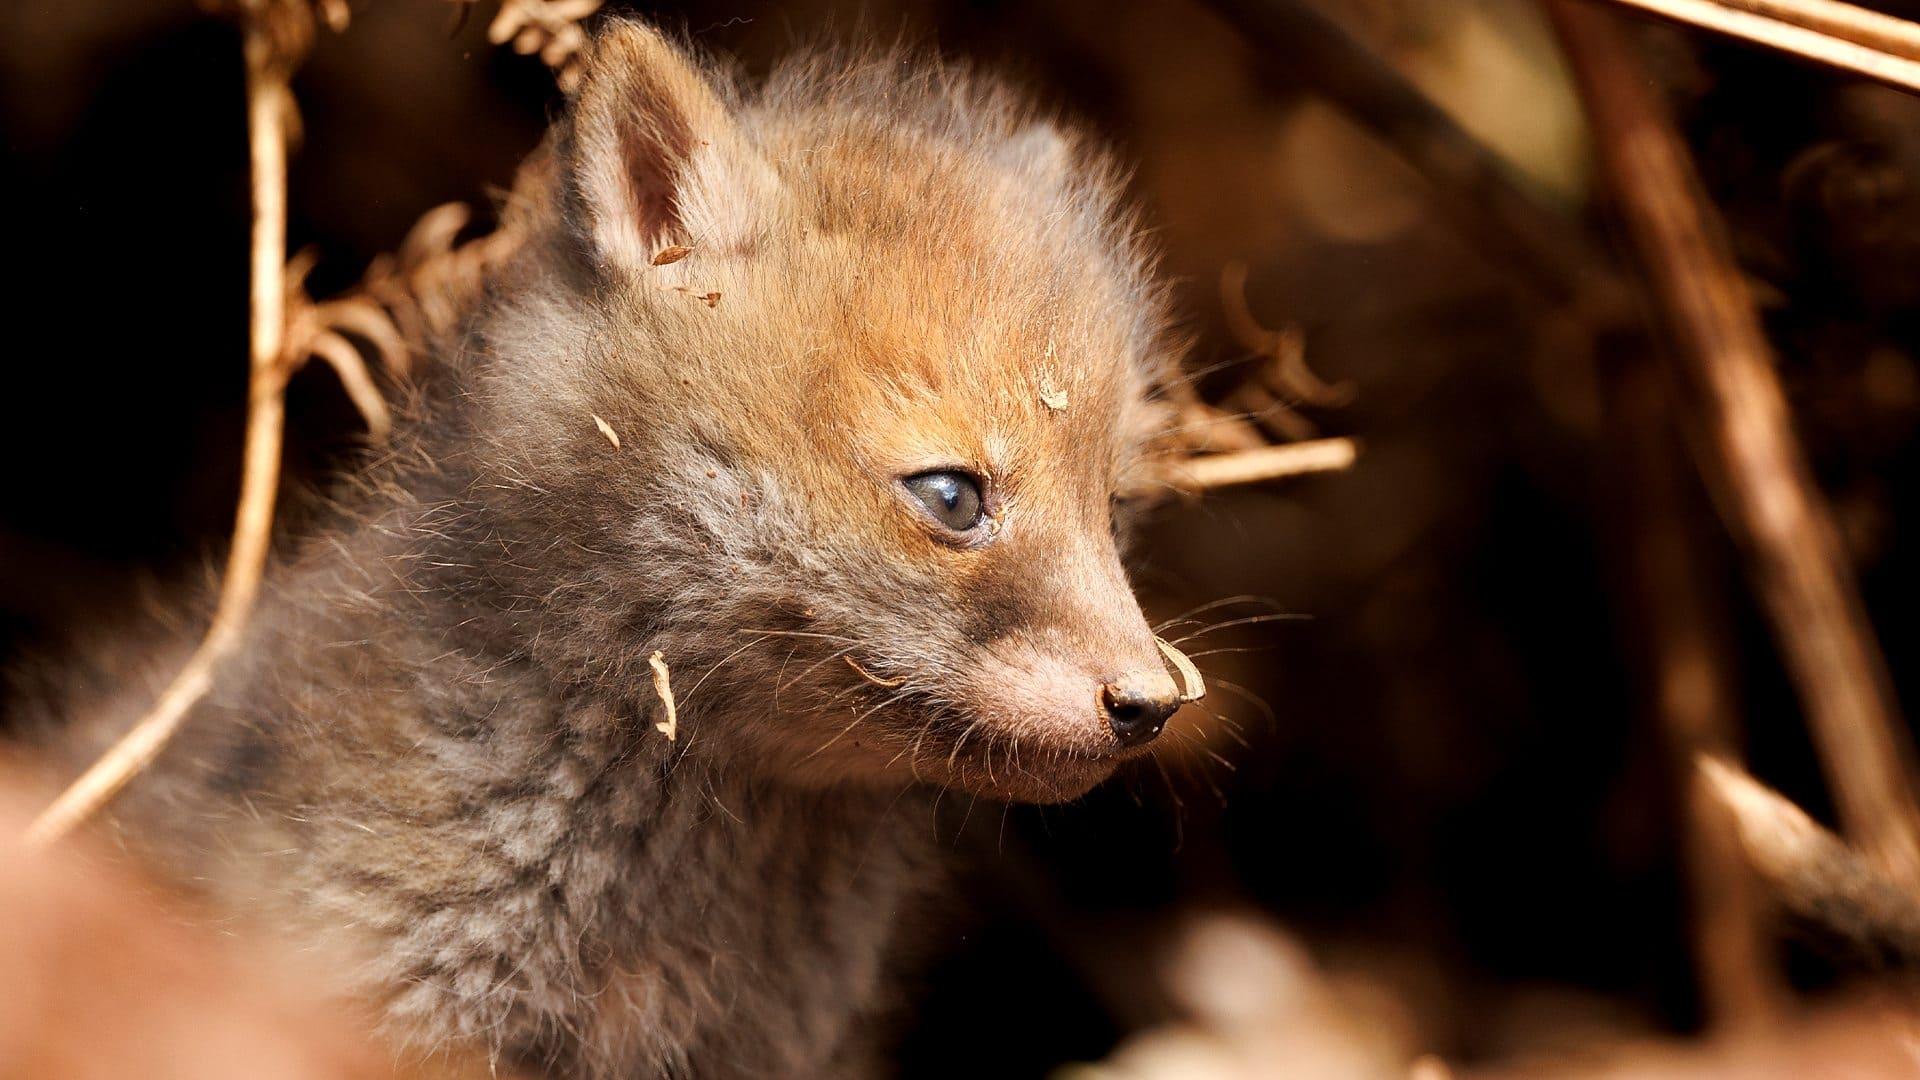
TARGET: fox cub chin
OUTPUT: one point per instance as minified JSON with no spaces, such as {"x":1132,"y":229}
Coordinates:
{"x":823,"y":389}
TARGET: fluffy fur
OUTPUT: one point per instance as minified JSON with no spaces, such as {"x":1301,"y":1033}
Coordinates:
{"x":437,"y":750}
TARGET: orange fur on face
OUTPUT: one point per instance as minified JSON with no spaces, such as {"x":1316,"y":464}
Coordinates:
{"x":882,"y":279}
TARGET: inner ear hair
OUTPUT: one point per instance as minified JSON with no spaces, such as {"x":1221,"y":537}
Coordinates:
{"x":644,"y":109}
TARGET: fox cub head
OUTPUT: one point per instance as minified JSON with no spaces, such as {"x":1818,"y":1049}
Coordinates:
{"x":826,"y":391}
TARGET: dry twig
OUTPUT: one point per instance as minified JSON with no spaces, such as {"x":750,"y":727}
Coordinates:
{"x":1811,"y":872}
{"x":276,"y":33}
{"x":1203,"y":472}
{"x":1747,"y":448}
{"x":404,"y":302}
{"x":1688,"y":685}
{"x":317,"y":330}
{"x":1851,"y":39}
{"x":1846,"y":21}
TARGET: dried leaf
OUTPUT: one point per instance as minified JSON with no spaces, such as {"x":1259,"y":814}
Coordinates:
{"x":607,"y":430}
{"x":712,"y":299}
{"x":663,"y":687}
{"x":669,"y":255}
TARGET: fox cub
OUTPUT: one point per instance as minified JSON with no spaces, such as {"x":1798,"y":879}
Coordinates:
{"x":821,"y":390}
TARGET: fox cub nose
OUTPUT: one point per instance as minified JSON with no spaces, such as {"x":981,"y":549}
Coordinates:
{"x":1136,"y":715}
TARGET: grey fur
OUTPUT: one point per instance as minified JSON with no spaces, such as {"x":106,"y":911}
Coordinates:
{"x":436,"y":753}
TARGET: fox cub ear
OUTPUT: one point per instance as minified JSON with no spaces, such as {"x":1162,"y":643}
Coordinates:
{"x":655,"y":156}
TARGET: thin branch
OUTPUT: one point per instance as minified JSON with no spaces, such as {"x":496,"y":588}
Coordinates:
{"x":1845,"y":21}
{"x":1886,"y":50}
{"x":1688,"y":688}
{"x":403,"y":303}
{"x":1812,"y":873}
{"x":1746,"y":446}
{"x":1204,"y":472}
{"x":268,"y":109}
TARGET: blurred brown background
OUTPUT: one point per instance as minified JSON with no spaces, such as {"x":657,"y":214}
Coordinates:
{"x":1453,"y":793}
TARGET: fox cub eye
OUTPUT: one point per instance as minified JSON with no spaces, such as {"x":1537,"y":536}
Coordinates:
{"x":953,"y":498}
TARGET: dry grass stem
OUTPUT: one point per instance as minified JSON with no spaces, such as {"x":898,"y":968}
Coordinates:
{"x":1275,"y":387}
{"x":333,"y":13}
{"x":269,"y":29}
{"x":1846,"y":21}
{"x":1204,"y":472}
{"x":1866,"y":43}
{"x":405,"y":301}
{"x":1205,"y":429}
{"x":1746,"y":446}
{"x":663,"y":686}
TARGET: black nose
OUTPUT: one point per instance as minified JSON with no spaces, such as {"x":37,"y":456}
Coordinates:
{"x":1135,"y":715}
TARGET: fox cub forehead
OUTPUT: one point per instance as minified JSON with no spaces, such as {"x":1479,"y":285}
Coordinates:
{"x":955,"y":311}
{"x":890,"y":257}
